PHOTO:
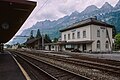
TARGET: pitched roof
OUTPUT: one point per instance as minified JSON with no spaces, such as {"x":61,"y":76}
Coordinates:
{"x":88,"y":21}
{"x":31,"y":40}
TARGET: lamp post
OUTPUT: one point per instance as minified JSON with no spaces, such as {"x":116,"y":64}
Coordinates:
{"x":42,"y":40}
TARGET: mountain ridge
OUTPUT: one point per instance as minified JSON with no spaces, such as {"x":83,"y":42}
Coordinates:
{"x":118,"y":4}
{"x":106,"y":6}
{"x":89,"y":9}
{"x":106,"y":13}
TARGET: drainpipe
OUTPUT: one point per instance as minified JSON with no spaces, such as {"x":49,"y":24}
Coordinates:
{"x":109,"y":39}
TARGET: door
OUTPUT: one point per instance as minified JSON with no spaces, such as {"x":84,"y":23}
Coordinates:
{"x":84,"y":47}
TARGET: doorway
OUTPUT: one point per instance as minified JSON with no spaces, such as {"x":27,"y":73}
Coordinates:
{"x":84,"y":47}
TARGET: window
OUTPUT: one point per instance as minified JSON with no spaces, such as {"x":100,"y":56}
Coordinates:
{"x":102,"y":30}
{"x":68,"y":36}
{"x":52,"y":46}
{"x":78,"y":35}
{"x":98,"y":44}
{"x":84,"y":34}
{"x":65,"y":37}
{"x":73,"y":35}
{"x":98,"y":33}
{"x":107,"y":45}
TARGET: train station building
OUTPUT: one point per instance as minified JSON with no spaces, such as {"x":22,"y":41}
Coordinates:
{"x":87,"y":35}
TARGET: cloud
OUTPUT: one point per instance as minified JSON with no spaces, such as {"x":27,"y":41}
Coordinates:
{"x":45,"y":16}
{"x":55,"y":9}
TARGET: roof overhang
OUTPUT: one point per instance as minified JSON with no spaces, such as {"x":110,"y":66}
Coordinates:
{"x":13,"y":13}
{"x":71,"y":42}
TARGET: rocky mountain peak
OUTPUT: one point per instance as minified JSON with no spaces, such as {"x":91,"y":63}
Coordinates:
{"x":90,"y":9}
{"x":74,"y":13}
{"x":117,"y":5}
{"x":106,"y":6}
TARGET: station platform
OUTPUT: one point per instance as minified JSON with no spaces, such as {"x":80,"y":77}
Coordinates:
{"x":9,"y":70}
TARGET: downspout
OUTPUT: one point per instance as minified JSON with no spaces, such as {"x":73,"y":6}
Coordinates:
{"x":91,"y":36}
{"x":109,"y":38}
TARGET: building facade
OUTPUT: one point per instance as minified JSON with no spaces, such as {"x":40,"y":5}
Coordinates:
{"x":87,"y":35}
{"x":36,"y":43}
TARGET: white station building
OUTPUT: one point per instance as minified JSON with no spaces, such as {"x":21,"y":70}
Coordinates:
{"x":87,"y":35}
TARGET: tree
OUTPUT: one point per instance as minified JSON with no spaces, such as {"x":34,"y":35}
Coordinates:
{"x":47,"y":38}
{"x":117,"y":41}
{"x":31,"y":34}
{"x":8,"y":46}
{"x":114,"y":32}
{"x":55,"y":40}
{"x":38,"y":35}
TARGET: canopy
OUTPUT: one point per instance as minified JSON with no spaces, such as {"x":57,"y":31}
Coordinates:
{"x":13,"y":13}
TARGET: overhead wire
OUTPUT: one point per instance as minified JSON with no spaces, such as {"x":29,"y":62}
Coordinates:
{"x":40,"y":8}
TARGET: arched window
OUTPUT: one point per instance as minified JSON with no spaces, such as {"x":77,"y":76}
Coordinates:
{"x":107,"y":45}
{"x":98,"y":44}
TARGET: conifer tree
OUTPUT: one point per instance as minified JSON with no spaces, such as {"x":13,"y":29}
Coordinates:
{"x":31,"y":34}
{"x":38,"y":35}
{"x":47,"y":38}
{"x":55,"y":40}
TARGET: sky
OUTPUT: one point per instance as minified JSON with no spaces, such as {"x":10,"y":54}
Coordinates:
{"x":55,"y":9}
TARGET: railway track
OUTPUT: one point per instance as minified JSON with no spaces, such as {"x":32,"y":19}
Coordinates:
{"x":95,"y":65}
{"x":34,"y":72}
{"x":99,"y":66}
{"x":74,"y":65}
{"x":82,"y":57}
{"x":103,"y":65}
{"x":47,"y":71}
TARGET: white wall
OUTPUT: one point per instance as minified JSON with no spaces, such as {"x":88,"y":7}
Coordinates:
{"x":102,"y":37}
{"x":81,"y":29}
{"x":91,"y":34}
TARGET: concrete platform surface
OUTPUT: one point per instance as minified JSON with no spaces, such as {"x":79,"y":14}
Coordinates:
{"x":9,"y":70}
{"x":113,"y":56}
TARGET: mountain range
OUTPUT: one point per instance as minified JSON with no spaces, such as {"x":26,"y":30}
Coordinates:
{"x":106,"y":13}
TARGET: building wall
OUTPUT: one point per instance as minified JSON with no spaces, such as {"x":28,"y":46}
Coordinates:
{"x":91,"y":34}
{"x":89,"y":47}
{"x":52,"y":47}
{"x":46,"y":47}
{"x":102,"y":37}
{"x":80,"y":29}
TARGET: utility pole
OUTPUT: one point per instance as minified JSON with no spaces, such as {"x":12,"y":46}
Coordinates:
{"x":42,"y":41}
